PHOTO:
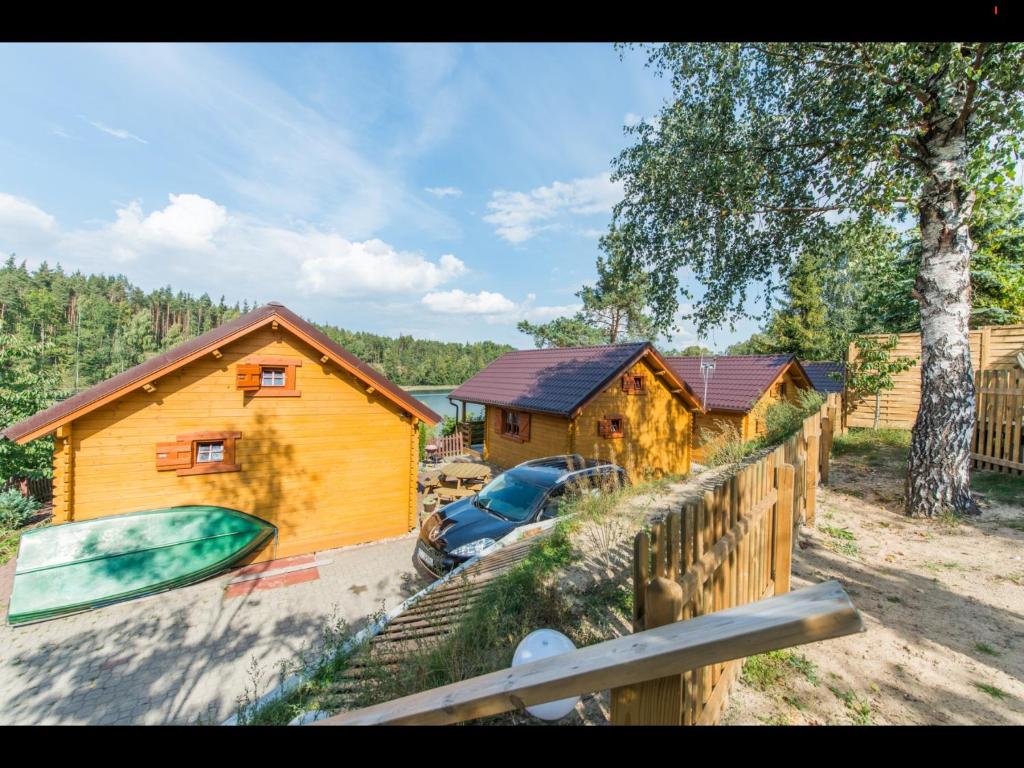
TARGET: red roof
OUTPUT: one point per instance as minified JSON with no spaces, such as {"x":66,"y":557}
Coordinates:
{"x":737,"y":382}
{"x":558,"y":380}
{"x":66,"y":410}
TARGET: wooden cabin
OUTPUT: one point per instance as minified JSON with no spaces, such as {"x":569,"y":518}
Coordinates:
{"x":739,"y":390}
{"x":622,"y":403}
{"x":264,"y":414}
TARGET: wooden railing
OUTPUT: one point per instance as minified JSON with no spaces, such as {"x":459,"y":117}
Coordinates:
{"x":449,"y":446}
{"x":472,"y":431}
{"x":730,"y":548}
{"x":820,"y":612}
{"x":40,"y":488}
{"x":998,"y":442}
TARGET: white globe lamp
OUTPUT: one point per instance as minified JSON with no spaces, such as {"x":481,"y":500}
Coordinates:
{"x":540,"y":644}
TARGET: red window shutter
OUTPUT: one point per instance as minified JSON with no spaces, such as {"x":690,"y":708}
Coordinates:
{"x":604,"y":427}
{"x":247,"y":377}
{"x":627,"y":383}
{"x":498,"y":421}
{"x":177,"y":455}
{"x":524,"y":427}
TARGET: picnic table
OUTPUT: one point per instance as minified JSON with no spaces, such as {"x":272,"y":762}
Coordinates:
{"x":468,"y":472}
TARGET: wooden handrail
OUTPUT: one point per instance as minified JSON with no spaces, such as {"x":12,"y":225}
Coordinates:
{"x":816,"y":613}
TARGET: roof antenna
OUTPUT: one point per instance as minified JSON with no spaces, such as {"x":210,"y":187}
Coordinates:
{"x":707,"y":368}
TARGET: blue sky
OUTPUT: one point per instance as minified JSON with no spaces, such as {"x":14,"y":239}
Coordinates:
{"x":442,"y":191}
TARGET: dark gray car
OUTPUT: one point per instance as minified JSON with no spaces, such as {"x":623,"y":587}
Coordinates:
{"x":528,"y":493}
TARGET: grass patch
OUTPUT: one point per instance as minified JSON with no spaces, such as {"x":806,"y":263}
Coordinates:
{"x":999,"y":487}
{"x":937,"y":566}
{"x":879,"y":447}
{"x":985,"y":648}
{"x":8,"y":545}
{"x":841,"y":540}
{"x":859,"y":709}
{"x":991,"y":690}
{"x":893,"y":599}
{"x":766,"y":670}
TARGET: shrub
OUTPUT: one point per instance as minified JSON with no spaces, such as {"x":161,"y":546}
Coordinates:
{"x":15,"y":509}
{"x":448,"y":426}
{"x":723,"y":445}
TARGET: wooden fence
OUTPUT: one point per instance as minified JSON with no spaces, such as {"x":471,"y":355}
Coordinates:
{"x":40,"y":488}
{"x":729,"y":549}
{"x":998,"y":443}
{"x":449,"y":446}
{"x":993,"y":347}
{"x":820,"y":612}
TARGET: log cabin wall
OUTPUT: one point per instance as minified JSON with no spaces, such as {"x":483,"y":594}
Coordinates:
{"x":656,"y":431}
{"x":330,"y":467}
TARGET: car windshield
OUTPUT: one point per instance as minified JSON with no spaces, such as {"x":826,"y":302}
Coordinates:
{"x":509,"y":498}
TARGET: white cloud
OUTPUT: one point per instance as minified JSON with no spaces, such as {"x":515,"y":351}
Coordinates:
{"x":19,"y":214}
{"x":493,"y":308}
{"x":119,"y":133}
{"x":457,"y":301}
{"x":444,"y":191}
{"x":198,"y":245}
{"x":518,"y":216}
{"x":341,"y":268}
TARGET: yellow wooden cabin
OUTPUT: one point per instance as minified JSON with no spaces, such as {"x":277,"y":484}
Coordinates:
{"x":620,"y":403}
{"x":264,"y":414}
{"x":739,"y":390}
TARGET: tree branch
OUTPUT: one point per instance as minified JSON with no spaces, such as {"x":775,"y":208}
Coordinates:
{"x":972,"y":89}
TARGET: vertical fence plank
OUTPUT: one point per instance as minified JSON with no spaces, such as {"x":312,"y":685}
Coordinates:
{"x":641,"y":575}
{"x":812,"y":479}
{"x":997,"y":413}
{"x":784,"y":529}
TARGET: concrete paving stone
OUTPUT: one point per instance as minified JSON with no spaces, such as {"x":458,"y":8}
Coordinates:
{"x":189,"y":649}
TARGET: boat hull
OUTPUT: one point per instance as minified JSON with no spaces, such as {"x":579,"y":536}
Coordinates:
{"x":79,"y":566}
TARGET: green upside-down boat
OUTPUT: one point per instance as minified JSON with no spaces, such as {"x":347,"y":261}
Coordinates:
{"x":78,"y":566}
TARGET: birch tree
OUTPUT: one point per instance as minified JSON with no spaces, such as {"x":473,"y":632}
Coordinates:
{"x":759,"y":142}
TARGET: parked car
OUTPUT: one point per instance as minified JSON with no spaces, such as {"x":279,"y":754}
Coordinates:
{"x":528,"y":493}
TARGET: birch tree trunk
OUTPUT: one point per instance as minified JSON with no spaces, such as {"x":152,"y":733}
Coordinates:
{"x":938,"y":478}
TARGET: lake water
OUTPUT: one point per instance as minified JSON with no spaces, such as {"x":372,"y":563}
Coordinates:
{"x":437,"y":400}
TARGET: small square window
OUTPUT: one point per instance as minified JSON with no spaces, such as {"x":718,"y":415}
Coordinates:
{"x":209,"y":452}
{"x":616,"y":425}
{"x":272,"y":377}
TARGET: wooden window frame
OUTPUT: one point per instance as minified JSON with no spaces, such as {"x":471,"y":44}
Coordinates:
{"x":605,"y":426}
{"x":634,"y":383}
{"x":210,"y":467}
{"x":523,"y":435}
{"x":289,"y":364}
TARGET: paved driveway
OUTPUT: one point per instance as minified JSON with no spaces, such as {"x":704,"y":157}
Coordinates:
{"x":186,"y":654}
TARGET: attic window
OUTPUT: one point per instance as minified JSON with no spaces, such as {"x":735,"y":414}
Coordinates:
{"x":272,"y":377}
{"x":634,"y":384}
{"x":268,"y":376}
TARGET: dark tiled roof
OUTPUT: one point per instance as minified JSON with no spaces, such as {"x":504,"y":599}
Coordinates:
{"x":555,"y":381}
{"x":738,"y":381}
{"x":156,"y":366}
{"x":821,"y":376}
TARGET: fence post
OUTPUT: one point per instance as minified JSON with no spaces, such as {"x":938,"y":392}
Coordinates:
{"x":783,"y":555}
{"x":811,"y":494}
{"x":825,"y":448}
{"x":654,"y":702}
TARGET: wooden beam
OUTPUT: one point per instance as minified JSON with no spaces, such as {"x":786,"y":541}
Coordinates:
{"x":149,"y":387}
{"x":324,"y":359}
{"x":218,"y":354}
{"x":370,"y":390}
{"x":816,"y":613}
{"x":274,"y":325}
